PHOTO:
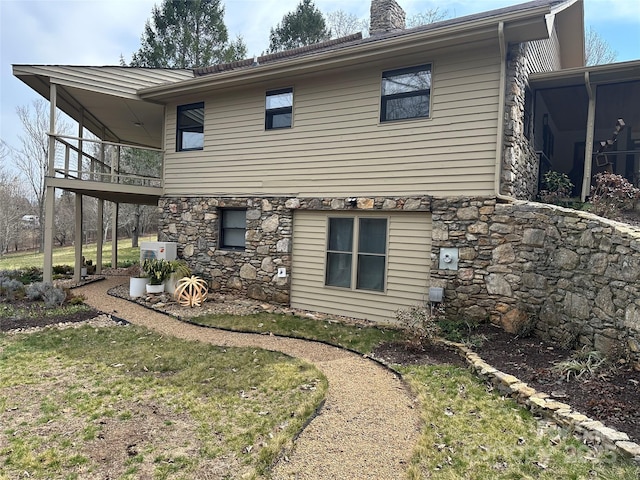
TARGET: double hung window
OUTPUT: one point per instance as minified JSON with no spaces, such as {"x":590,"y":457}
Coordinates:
{"x":233,"y":226}
{"x":357,"y":253}
{"x":279,"y":109}
{"x":190,"y":127}
{"x":406,"y":93}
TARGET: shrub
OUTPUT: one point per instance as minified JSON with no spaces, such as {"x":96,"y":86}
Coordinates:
{"x":461,"y":331}
{"x":582,"y":363}
{"x":421,"y":323}
{"x":557,"y":188}
{"x":50,"y":295}
{"x":30,"y":275}
{"x":10,"y":288}
{"x":62,"y":269}
{"x":612,"y":194}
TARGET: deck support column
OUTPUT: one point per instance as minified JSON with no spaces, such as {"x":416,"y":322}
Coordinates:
{"x":114,"y":235}
{"x":588,"y":146}
{"x":50,"y":192}
{"x":77,"y":241}
{"x":99,"y":236}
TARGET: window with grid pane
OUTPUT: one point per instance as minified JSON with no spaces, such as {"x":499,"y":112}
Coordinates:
{"x":357,"y":253}
{"x":405,"y":93}
{"x":233,"y":225}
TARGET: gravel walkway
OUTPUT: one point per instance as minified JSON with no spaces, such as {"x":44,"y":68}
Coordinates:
{"x":368,"y":426}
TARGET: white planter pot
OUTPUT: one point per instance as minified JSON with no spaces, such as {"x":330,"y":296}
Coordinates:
{"x":155,"y":288}
{"x":137,"y":286}
{"x":83,"y":272}
{"x":170,"y":284}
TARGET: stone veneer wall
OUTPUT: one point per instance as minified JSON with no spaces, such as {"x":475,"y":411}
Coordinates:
{"x":519,"y":177}
{"x":576,"y":275}
{"x":192,"y":222}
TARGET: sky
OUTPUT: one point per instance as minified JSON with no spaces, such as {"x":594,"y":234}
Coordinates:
{"x":98,"y":32}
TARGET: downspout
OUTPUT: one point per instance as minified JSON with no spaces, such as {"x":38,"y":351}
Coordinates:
{"x":588,"y":149}
{"x":501,"y":100}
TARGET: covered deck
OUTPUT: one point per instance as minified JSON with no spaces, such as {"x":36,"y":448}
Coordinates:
{"x":587,"y":121}
{"x":117,"y":155}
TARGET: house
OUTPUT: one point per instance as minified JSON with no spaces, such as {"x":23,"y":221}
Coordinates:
{"x":350,"y":176}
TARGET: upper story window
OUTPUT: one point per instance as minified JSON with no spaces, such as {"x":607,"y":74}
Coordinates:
{"x":190,"y":130}
{"x":233,"y":226}
{"x":405,"y":93}
{"x":357,"y":253}
{"x":278,"y":109}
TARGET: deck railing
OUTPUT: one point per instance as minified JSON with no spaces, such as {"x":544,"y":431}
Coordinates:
{"x":108,"y":162}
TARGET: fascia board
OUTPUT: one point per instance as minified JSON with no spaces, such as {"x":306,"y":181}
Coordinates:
{"x":530,"y":20}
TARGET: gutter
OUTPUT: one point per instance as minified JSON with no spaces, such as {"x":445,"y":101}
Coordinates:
{"x":463,"y":32}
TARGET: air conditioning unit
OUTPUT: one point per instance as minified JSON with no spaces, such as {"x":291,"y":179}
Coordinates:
{"x":159,"y":250}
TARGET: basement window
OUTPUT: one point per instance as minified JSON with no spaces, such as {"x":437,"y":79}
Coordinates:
{"x":406,"y":93}
{"x":278,"y":109}
{"x":357,"y":253}
{"x":190,"y":130}
{"x":233,"y":226}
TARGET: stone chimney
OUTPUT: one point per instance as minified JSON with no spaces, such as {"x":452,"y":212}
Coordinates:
{"x":386,"y":15}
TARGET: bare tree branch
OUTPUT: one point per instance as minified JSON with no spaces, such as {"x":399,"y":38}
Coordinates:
{"x":32,"y":160}
{"x":597,"y":50}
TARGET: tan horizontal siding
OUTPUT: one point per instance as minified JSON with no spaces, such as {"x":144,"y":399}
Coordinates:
{"x":408,"y":264}
{"x":337,"y":144}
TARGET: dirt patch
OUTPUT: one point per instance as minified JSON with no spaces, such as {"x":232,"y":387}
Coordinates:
{"x":404,"y":354}
{"x":38,"y":317}
{"x":610,"y":396}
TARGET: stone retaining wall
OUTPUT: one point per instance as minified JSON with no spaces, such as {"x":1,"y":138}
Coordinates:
{"x":572,"y":276}
{"x":592,"y":431}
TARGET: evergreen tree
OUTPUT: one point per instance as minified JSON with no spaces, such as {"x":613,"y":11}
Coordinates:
{"x":304,"y":26}
{"x":187,"y":34}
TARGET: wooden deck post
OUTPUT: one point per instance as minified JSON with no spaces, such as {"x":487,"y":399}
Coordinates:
{"x":50,"y":192}
{"x":77,"y":241}
{"x":114,"y":235}
{"x":588,"y":146}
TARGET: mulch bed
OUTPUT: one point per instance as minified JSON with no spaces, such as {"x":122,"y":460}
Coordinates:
{"x":35,"y":320}
{"x":613,"y":396}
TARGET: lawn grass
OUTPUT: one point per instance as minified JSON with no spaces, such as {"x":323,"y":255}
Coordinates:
{"x":472,"y":433}
{"x":66,"y":255}
{"x":360,"y":338}
{"x":125,"y":402}
{"x":469,"y":432}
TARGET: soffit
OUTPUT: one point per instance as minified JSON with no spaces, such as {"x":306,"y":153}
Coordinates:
{"x":105,"y":98}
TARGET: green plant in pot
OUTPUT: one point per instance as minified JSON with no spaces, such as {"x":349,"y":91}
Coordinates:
{"x":158,"y":271}
{"x":179,"y":269}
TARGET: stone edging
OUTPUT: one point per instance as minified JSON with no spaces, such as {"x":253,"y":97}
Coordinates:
{"x":592,"y":431}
